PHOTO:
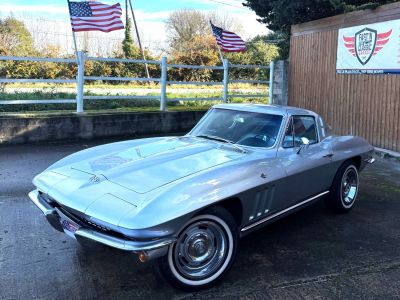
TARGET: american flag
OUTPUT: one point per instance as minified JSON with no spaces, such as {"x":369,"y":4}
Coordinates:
{"x":228,"y":41}
{"x":89,"y":16}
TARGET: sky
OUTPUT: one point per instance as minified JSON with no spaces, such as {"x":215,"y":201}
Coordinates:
{"x":150,"y":15}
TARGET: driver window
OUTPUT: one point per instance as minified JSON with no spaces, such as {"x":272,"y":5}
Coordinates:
{"x":304,"y":126}
{"x":300,"y":126}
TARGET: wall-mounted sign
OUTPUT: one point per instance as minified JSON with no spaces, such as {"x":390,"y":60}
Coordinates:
{"x":369,"y":49}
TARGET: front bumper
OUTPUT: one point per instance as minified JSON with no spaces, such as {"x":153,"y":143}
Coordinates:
{"x":85,"y":232}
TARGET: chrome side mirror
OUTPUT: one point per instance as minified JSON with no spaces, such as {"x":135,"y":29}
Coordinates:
{"x":305,"y":143}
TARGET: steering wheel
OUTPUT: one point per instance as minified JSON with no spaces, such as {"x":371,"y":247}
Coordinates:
{"x":265,"y":137}
{"x":264,"y":140}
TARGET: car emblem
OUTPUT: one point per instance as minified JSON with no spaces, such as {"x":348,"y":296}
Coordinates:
{"x":95,"y":179}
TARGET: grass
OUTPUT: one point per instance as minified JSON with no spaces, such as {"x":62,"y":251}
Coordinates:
{"x":129,"y":85}
{"x":44,"y":92}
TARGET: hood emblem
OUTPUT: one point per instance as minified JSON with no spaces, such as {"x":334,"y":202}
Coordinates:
{"x":95,"y":179}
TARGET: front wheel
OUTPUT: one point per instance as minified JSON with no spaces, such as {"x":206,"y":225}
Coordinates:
{"x":344,"y":190}
{"x":204,"y":251}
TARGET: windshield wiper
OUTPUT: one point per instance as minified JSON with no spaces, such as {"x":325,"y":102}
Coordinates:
{"x":217,"y":138}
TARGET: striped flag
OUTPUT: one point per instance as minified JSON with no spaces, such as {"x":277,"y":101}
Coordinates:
{"x":92,"y":15}
{"x":228,"y":41}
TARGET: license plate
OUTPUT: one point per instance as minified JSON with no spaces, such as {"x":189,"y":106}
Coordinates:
{"x":69,"y":226}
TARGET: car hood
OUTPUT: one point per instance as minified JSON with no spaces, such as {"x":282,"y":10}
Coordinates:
{"x":144,"y":168}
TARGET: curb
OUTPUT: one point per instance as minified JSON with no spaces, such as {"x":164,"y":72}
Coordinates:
{"x":387,"y":154}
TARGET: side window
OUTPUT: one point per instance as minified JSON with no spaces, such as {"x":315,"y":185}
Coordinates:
{"x":288,"y":139}
{"x":304,"y":126}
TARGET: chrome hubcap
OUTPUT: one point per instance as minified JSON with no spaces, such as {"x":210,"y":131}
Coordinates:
{"x":200,"y":250}
{"x":349,"y":186}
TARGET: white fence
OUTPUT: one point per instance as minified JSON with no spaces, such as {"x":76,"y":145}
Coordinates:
{"x":163,"y":81}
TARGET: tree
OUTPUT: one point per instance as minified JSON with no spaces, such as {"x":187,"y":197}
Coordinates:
{"x":258,"y":52}
{"x":192,"y":43}
{"x":198,"y":51}
{"x":186,"y":25}
{"x":128,"y":46}
{"x":279,"y":15}
{"x":15,"y":39}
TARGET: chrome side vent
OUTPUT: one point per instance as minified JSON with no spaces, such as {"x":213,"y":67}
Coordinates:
{"x":262,"y":202}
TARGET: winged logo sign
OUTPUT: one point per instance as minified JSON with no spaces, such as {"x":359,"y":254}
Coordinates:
{"x":369,"y":49}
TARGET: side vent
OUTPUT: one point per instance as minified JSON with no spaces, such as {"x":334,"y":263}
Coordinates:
{"x":262,"y":202}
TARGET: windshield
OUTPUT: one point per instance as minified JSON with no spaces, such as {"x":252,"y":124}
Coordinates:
{"x":240,"y":127}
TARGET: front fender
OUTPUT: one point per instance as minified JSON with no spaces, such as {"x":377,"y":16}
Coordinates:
{"x":185,"y":198}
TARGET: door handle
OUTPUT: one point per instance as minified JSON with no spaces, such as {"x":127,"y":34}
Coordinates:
{"x":328,"y":155}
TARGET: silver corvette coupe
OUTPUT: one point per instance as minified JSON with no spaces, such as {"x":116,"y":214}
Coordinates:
{"x":186,"y":201}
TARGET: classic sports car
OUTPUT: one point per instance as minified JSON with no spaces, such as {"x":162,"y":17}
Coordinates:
{"x":185,"y":201}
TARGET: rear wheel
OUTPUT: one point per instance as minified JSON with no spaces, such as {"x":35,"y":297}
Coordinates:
{"x":344,"y":189}
{"x":204,"y":251}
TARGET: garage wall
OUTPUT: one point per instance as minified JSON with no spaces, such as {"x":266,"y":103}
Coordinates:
{"x":364,"y":105}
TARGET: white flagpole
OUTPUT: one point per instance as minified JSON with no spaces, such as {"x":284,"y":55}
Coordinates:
{"x":220,"y":54}
{"x":219,"y":49}
{"x":138,"y":37}
{"x":73,"y":34}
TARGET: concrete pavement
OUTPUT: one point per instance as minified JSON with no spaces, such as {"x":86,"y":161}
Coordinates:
{"x":311,"y":254}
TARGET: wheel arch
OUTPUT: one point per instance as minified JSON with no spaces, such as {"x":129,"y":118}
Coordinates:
{"x":356,"y":160}
{"x":233,"y":205}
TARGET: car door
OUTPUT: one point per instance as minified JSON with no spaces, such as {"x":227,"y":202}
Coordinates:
{"x":309,"y":168}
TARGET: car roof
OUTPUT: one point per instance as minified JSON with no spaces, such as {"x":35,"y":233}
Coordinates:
{"x":266,"y":108}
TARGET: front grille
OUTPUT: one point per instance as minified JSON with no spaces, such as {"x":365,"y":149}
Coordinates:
{"x":103,"y":228}
{"x":83,"y":221}
{"x":81,"y":218}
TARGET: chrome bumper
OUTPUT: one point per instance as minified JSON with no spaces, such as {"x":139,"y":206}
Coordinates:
{"x":90,"y":234}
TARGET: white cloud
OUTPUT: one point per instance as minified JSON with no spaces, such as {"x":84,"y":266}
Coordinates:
{"x":155,"y":16}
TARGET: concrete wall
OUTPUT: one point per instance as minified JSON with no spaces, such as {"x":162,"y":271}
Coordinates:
{"x":280,"y":83}
{"x":15,"y":130}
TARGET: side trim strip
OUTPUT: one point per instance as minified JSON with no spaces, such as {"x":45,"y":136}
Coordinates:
{"x":282,"y":212}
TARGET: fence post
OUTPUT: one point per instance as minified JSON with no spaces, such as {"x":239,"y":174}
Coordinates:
{"x":271,"y":82}
{"x":80,"y":82}
{"x":163,"y":85}
{"x":225,"y":63}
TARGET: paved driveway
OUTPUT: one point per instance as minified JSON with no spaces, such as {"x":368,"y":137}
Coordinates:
{"x":311,"y":254}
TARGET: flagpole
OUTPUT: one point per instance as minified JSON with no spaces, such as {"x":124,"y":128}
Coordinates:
{"x":73,"y":35}
{"x":219,"y":49}
{"x":220,"y":54}
{"x":138,"y":37}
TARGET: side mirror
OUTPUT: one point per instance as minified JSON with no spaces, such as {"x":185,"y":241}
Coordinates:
{"x":305,"y":143}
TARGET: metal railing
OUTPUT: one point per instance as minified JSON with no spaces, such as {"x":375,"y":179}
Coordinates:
{"x":162,"y":80}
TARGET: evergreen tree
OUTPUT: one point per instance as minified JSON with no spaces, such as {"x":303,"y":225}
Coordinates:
{"x":128,"y":46}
